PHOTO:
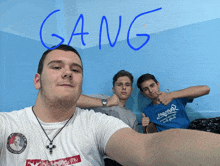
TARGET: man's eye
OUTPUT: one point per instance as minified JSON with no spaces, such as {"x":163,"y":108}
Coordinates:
{"x":75,"y":70}
{"x":56,"y":67}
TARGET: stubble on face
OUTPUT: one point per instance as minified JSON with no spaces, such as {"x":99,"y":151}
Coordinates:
{"x":56,"y":101}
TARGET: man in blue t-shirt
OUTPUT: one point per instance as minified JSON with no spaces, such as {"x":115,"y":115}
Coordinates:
{"x":167,"y":110}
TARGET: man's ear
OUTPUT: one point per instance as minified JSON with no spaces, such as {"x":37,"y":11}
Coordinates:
{"x":113,"y":89}
{"x":158,"y":84}
{"x":37,"y":83}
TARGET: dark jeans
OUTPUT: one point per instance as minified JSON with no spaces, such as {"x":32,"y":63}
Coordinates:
{"x":109,"y":162}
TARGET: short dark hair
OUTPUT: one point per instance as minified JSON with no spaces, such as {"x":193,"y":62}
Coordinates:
{"x":122,"y":73}
{"x":63,"y":47}
{"x":143,"y":78}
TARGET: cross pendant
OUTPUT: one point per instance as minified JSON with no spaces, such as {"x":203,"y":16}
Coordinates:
{"x":50,"y":147}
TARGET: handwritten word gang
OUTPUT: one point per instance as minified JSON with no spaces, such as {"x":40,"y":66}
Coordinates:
{"x":100,"y":32}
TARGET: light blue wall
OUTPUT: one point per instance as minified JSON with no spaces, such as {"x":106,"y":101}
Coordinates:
{"x":183,"y":49}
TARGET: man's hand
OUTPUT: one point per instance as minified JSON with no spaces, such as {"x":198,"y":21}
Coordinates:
{"x":112,"y":101}
{"x":165,"y":98}
{"x":145,"y":120}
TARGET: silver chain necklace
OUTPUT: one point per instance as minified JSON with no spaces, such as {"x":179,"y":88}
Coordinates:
{"x":51,"y":146}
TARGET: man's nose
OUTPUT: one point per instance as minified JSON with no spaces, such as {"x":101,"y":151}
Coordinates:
{"x":67,"y":73}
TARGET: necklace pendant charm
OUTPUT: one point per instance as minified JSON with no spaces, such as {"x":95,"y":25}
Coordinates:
{"x":51,"y":147}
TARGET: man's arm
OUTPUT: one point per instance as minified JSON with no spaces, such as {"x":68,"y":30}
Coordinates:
{"x":170,"y":147}
{"x":190,"y":93}
{"x":86,"y":101}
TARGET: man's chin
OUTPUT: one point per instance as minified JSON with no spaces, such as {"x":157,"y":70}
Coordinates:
{"x":152,"y":97}
{"x":65,"y":102}
{"x":123,"y":97}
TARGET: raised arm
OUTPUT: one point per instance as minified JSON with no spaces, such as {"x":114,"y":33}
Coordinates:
{"x":170,"y":147}
{"x":86,"y":101}
{"x":191,"y":92}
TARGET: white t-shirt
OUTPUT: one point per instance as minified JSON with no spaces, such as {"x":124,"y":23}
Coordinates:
{"x":82,"y":141}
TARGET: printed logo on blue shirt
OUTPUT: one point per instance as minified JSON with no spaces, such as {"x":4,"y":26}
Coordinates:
{"x":168,"y":115}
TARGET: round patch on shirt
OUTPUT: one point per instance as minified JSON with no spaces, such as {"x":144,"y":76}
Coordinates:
{"x":16,"y":143}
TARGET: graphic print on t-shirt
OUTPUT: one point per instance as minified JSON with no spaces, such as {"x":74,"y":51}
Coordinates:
{"x":16,"y":143}
{"x":167,"y":115}
{"x":60,"y":162}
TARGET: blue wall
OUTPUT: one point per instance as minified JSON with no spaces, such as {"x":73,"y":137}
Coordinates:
{"x":179,"y":54}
